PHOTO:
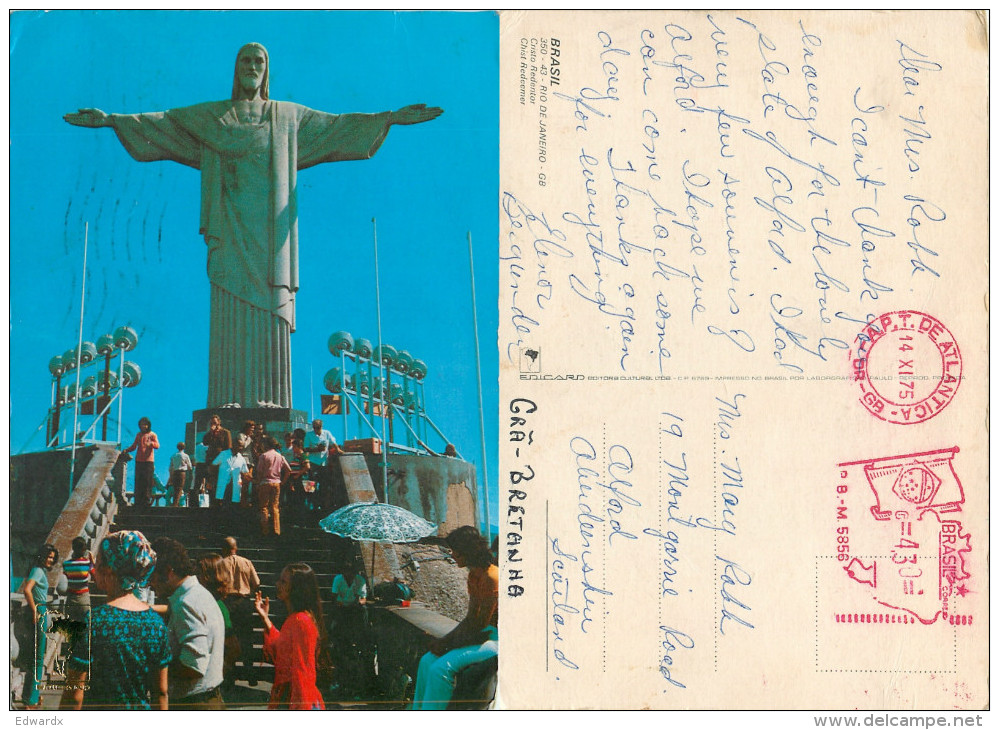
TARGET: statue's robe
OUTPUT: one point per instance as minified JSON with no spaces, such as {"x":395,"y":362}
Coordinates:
{"x":249,"y":219}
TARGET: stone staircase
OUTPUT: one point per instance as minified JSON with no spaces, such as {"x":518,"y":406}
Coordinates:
{"x":402,"y":633}
{"x":202,"y":531}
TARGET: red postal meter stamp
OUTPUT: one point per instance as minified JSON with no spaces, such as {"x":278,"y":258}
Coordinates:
{"x":908,"y":367}
{"x":899,"y":535}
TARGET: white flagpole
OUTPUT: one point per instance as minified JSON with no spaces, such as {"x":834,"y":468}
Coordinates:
{"x":378,"y":310}
{"x":478,"y":371}
{"x":79,"y":353}
{"x":121,"y":377}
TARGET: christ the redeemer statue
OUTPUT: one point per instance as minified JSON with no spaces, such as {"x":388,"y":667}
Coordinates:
{"x":249,"y":150}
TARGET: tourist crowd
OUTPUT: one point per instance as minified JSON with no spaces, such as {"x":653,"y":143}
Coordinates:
{"x":173,"y":631}
{"x":249,"y":475}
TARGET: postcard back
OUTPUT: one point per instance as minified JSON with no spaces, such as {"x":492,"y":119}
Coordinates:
{"x":743,"y":335}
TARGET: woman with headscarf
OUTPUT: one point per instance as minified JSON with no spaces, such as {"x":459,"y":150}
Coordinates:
{"x":36,"y":590}
{"x":299,"y":648}
{"x":129,"y":645}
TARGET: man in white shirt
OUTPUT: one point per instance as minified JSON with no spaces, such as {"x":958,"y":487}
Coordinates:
{"x":317,"y":443}
{"x":197,"y":630}
{"x":232,"y":465}
{"x":180,"y":467}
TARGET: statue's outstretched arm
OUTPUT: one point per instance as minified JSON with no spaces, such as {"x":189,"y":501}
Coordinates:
{"x":414,"y":114}
{"x":88,"y":118}
{"x":147,"y":137}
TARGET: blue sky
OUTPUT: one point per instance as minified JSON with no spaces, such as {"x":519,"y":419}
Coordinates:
{"x":427,"y":186}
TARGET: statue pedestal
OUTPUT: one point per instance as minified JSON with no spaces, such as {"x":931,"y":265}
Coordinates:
{"x":277,"y":422}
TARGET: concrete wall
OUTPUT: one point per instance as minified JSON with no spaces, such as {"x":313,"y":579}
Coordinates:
{"x":39,"y":489}
{"x":438,"y":488}
{"x":403,"y":635}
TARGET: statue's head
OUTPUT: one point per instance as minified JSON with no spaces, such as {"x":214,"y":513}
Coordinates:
{"x":252,"y":74}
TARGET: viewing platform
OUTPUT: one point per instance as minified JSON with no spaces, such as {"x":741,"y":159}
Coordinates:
{"x":396,"y":635}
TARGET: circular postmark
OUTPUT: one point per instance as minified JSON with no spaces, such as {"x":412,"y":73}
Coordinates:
{"x":908,"y":366}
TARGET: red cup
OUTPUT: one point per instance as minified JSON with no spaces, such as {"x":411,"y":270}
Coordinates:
{"x":404,"y":604}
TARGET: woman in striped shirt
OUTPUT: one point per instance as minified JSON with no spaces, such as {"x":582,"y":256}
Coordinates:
{"x":78,"y":570}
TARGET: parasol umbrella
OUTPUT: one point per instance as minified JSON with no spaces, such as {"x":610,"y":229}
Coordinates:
{"x":377,"y":522}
